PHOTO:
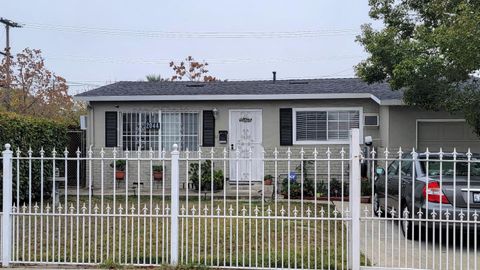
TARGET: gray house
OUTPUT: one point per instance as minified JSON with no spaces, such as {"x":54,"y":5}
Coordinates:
{"x":264,"y":115}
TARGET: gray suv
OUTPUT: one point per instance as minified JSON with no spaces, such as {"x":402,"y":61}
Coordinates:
{"x":433,"y":190}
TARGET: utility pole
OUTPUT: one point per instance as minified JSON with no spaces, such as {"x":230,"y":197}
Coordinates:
{"x":8,"y":24}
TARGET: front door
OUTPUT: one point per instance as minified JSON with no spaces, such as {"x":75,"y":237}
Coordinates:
{"x":246,"y":139}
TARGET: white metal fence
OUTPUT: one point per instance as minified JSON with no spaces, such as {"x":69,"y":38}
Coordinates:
{"x":425,"y":210}
{"x":315,"y":213}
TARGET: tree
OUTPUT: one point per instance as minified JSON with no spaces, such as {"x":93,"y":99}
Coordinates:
{"x":155,"y":78}
{"x":35,"y":90}
{"x":192,"y":70}
{"x":428,"y":49}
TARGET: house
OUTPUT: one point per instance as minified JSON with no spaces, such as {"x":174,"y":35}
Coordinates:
{"x":264,"y":115}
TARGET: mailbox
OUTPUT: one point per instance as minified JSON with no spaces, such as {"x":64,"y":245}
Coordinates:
{"x":223,"y":136}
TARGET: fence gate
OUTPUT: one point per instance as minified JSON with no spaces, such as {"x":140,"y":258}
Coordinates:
{"x":150,"y":208}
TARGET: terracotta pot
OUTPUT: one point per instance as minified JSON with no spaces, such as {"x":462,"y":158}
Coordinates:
{"x":119,"y":175}
{"x":158,"y":175}
{"x":268,"y":182}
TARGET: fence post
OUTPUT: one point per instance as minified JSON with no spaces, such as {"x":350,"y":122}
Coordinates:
{"x":7,"y":207}
{"x":354,"y":202}
{"x":175,"y":205}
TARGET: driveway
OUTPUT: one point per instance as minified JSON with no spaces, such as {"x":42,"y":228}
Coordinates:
{"x":385,"y":247}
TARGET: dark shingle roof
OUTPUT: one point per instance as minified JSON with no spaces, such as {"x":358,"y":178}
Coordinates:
{"x":281,"y":87}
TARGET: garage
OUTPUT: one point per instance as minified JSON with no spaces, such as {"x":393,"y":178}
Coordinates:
{"x":446,"y":134}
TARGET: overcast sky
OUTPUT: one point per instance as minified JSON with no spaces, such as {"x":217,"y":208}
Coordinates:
{"x":96,"y":42}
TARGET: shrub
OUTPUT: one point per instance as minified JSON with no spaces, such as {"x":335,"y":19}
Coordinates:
{"x":296,"y":188}
{"x":120,"y":165}
{"x":24,"y":132}
{"x":206,"y":171}
{"x":321,"y":189}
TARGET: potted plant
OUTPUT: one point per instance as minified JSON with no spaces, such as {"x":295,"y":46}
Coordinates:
{"x":204,"y":182}
{"x":157,"y":171}
{"x":119,"y":168}
{"x":268,"y":180}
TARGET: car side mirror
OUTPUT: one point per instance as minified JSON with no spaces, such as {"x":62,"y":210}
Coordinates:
{"x":379,"y":171}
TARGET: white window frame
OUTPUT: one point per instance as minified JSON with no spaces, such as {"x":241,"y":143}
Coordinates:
{"x":326,"y":109}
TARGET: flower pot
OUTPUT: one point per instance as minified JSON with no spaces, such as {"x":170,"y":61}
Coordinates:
{"x":158,"y":175}
{"x":365,"y":199}
{"x":119,"y":175}
{"x":268,"y":182}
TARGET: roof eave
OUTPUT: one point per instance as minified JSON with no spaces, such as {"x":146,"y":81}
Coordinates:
{"x":392,"y":102}
{"x":235,"y":97}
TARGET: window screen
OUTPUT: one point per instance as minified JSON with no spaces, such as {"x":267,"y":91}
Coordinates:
{"x":325,"y":125}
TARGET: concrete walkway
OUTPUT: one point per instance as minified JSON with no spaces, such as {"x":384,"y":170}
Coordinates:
{"x":385,"y":247}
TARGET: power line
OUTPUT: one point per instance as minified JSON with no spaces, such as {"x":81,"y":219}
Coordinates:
{"x":211,"y":61}
{"x":205,"y":34}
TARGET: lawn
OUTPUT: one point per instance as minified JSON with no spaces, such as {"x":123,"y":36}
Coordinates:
{"x":245,"y":235}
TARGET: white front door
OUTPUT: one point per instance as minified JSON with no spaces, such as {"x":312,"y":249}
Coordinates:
{"x":246,"y":136}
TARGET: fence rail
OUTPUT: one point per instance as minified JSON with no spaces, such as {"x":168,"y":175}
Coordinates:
{"x":151,"y":208}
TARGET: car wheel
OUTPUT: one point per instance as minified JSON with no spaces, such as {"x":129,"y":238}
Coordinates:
{"x":376,"y":204}
{"x":408,"y":229}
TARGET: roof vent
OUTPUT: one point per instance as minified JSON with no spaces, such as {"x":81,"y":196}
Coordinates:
{"x":298,"y":82}
{"x":195,"y":85}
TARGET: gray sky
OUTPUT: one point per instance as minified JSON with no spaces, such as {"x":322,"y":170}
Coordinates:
{"x":96,"y":42}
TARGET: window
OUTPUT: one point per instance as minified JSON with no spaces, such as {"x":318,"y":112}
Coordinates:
{"x":313,"y":126}
{"x":405,"y":168}
{"x":449,"y":168}
{"x":371,"y":120}
{"x":150,"y":130}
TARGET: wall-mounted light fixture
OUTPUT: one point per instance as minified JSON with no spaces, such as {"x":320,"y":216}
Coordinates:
{"x":215,"y":113}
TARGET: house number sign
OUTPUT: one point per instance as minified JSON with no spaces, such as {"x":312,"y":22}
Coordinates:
{"x":245,"y":120}
{"x":152,"y":125}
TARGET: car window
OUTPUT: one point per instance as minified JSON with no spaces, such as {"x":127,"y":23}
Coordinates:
{"x":393,"y":168}
{"x":449,"y":168}
{"x":406,"y":168}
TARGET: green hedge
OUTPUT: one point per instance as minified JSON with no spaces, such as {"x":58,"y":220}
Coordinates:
{"x":24,"y":132}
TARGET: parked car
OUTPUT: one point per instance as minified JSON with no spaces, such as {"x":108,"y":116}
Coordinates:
{"x":429,"y":189}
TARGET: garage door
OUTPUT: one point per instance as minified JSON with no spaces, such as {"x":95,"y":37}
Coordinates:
{"x":446,"y":135}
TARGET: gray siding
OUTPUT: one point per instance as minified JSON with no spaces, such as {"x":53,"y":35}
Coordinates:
{"x":270,"y":110}
{"x":403,"y":124}
{"x":271,"y":138}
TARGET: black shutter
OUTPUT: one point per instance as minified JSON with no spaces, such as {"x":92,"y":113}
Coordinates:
{"x":208,"y":129}
{"x":111,"y":129}
{"x":286,"y":126}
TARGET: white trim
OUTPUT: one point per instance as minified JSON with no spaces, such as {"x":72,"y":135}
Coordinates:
{"x":294,"y":123}
{"x":433,"y":120}
{"x":372,"y":114}
{"x":392,"y":102}
{"x":237,"y":97}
